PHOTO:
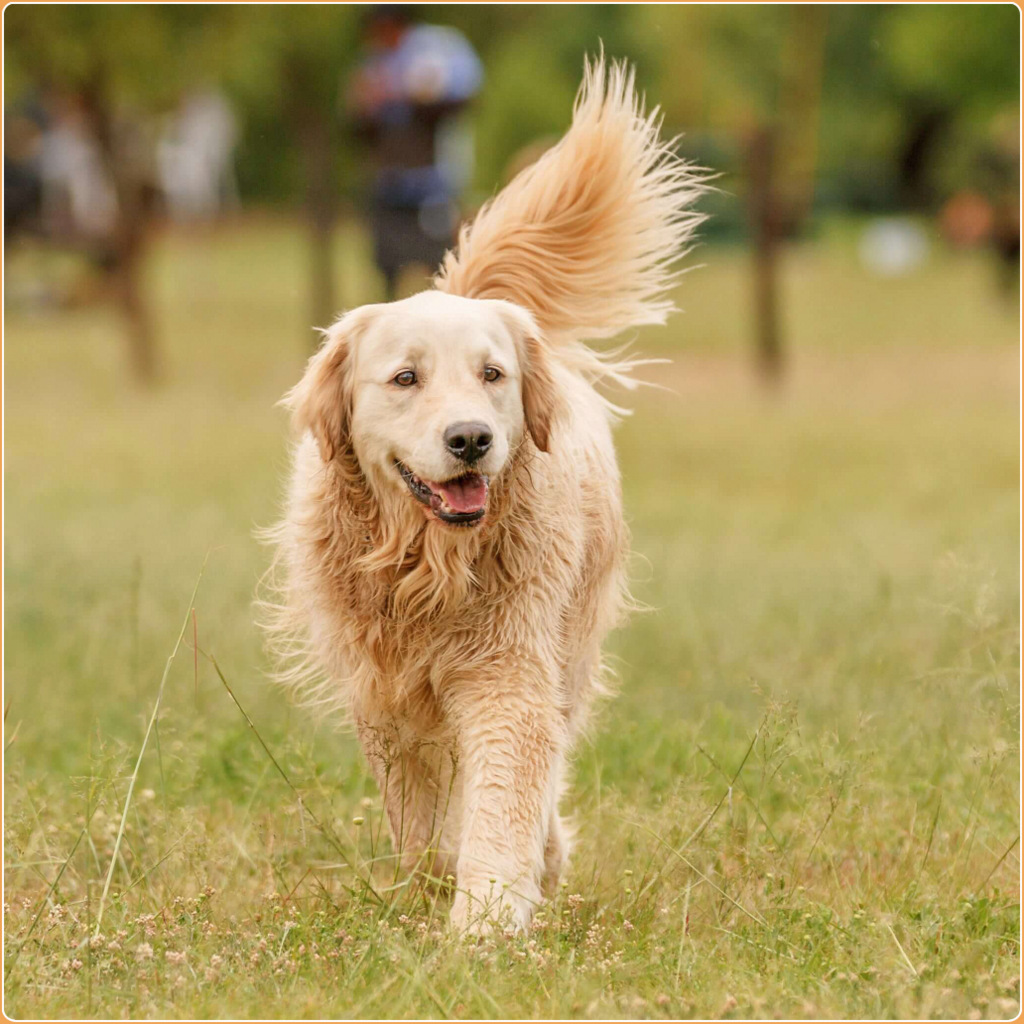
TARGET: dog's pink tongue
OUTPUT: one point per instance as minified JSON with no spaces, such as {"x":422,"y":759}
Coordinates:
{"x":467,"y":494}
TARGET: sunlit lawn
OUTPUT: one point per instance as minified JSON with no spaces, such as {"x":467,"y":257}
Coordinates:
{"x":804,"y":801}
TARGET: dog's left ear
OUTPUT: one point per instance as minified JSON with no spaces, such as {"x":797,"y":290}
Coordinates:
{"x":543,"y":404}
{"x":322,"y":401}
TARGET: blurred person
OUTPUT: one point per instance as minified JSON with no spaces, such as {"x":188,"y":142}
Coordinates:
{"x":79,"y":201}
{"x":99,"y":191}
{"x":23,"y":192}
{"x":988,"y":214}
{"x":1000,"y":173}
{"x":403,"y":98}
{"x":966,"y":219}
{"x":195,"y":157}
{"x":58,"y":190}
{"x":28,"y":281}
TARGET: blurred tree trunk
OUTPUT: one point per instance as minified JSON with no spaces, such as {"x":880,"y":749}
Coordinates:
{"x":782,"y":162}
{"x":124,"y":154}
{"x":765,"y":226}
{"x":141,"y":333}
{"x":925,"y":127}
{"x":799,"y":105}
{"x":317,"y":132}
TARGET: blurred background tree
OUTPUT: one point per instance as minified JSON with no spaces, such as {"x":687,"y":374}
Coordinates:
{"x":110,"y":78}
{"x":286,"y":73}
{"x":808,"y":112}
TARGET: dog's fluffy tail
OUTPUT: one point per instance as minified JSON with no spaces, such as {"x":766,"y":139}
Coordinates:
{"x":587,"y":238}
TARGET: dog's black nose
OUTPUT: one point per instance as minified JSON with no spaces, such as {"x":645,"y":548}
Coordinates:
{"x":468,"y":441}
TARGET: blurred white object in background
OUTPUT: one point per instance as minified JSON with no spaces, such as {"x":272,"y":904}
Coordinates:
{"x":195,"y":157}
{"x":893,"y":246}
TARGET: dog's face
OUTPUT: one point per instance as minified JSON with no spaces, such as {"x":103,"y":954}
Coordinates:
{"x":434,"y":393}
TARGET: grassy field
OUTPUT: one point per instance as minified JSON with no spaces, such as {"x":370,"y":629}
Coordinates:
{"x":804,"y":801}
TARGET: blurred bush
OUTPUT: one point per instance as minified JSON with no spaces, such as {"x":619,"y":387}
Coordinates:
{"x":908,"y":94}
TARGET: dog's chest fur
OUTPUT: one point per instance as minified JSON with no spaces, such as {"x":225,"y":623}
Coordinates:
{"x":405,"y":632}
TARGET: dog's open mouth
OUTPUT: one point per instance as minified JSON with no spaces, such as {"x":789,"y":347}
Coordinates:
{"x":461,"y":501}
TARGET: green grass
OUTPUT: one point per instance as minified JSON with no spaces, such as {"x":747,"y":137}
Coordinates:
{"x":804,"y":801}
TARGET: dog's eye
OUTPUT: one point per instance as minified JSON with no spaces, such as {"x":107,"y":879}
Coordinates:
{"x":405,"y":379}
{"x":491,"y":374}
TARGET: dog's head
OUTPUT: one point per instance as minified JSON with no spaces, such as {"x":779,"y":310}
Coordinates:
{"x":433,"y":395}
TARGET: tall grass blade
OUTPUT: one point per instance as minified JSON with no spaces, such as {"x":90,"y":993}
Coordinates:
{"x":323,"y":829}
{"x":995,"y":867}
{"x":142,"y":751}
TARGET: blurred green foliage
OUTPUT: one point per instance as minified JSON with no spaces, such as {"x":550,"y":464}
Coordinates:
{"x":894,"y":79}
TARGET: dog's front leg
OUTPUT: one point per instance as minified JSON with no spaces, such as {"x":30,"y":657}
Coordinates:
{"x":511,"y":743}
{"x":416,"y":782}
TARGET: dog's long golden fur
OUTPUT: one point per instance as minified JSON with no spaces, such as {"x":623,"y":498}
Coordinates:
{"x":453,"y":604}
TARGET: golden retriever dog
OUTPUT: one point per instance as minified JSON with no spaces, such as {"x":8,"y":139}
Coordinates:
{"x":452,"y":551}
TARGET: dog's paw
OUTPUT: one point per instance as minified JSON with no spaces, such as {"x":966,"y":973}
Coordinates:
{"x":491,"y":909}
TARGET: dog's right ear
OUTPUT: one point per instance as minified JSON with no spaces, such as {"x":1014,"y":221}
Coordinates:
{"x":543,"y":405}
{"x":322,"y":401}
